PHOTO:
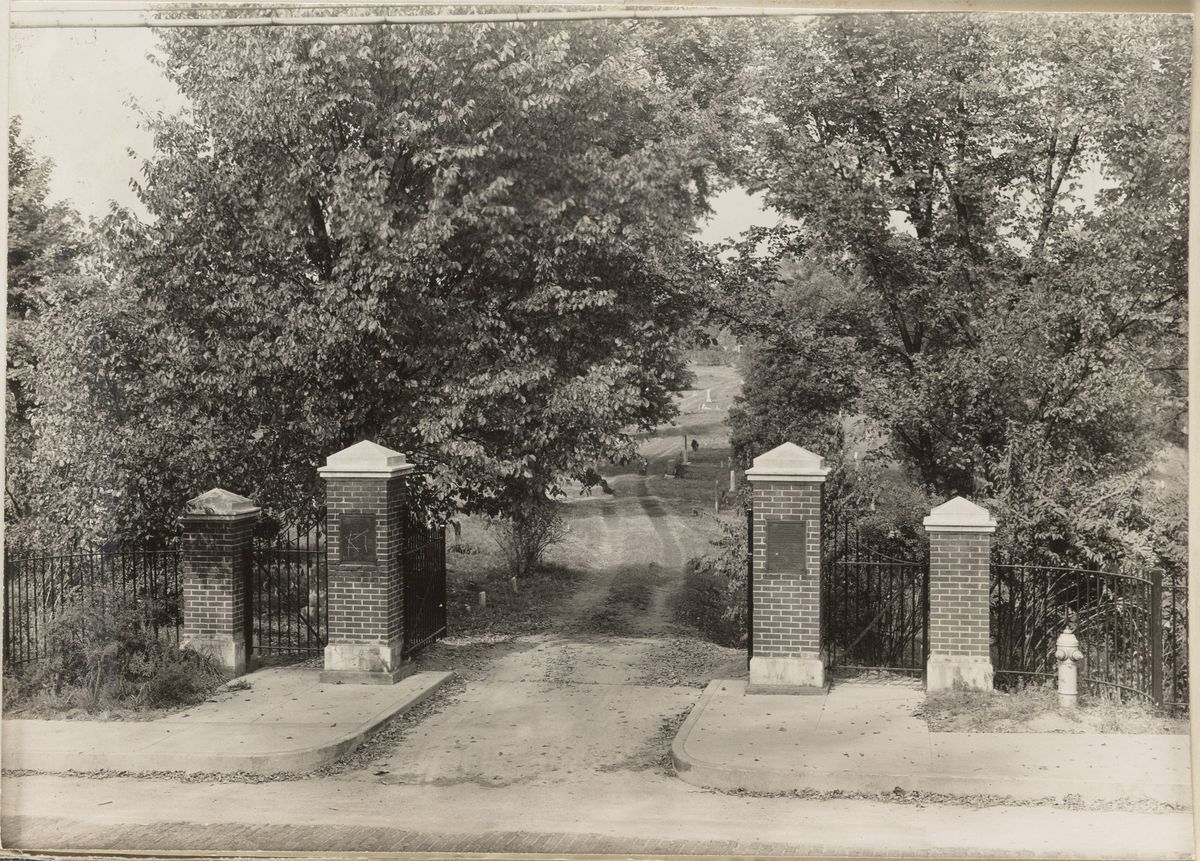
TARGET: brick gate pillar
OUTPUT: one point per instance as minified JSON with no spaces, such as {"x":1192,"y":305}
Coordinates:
{"x":788,"y":484}
{"x":960,"y":551}
{"x":364,"y":500}
{"x":218,"y":529}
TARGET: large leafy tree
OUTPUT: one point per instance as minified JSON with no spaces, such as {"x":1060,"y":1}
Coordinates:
{"x":44,"y":243}
{"x":468,"y":243}
{"x":1004,"y":200}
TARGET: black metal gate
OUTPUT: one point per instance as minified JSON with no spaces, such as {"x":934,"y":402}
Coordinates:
{"x":874,"y":606}
{"x":288,"y":581}
{"x":423,"y":567}
{"x":1132,"y":629}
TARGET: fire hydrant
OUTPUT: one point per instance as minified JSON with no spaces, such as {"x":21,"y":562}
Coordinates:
{"x":1068,"y":656}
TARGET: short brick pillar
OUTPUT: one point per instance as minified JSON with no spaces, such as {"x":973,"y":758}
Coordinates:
{"x":365,"y":504}
{"x":788,"y":484}
{"x":960,"y":552}
{"x":217,"y":533}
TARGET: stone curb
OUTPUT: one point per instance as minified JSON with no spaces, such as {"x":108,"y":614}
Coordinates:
{"x":258,"y":762}
{"x":764,"y":779}
{"x":705,"y":772}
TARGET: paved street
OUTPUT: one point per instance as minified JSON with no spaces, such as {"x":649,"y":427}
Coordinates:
{"x":624,"y":811}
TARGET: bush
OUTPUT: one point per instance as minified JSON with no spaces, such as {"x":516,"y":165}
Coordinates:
{"x":707,"y":603}
{"x":527,"y":534}
{"x":724,"y":569}
{"x":100,"y":653}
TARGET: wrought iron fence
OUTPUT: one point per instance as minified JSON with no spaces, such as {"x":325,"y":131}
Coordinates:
{"x":874,"y":605}
{"x":1133,"y":629}
{"x":37,"y":586}
{"x":287,"y":590}
{"x":423,"y":567}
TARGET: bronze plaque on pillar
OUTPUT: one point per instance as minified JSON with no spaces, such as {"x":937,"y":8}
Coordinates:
{"x":787,"y":546}
{"x":357,"y":537}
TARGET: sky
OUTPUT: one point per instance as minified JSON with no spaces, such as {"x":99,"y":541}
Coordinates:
{"x":75,"y":92}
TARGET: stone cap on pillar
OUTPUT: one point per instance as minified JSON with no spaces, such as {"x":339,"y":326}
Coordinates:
{"x":959,"y":515}
{"x":222,"y":504}
{"x":365,"y":460}
{"x":787,"y":462}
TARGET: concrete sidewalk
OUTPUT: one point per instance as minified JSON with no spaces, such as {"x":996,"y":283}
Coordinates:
{"x":287,"y":721}
{"x":864,"y":738}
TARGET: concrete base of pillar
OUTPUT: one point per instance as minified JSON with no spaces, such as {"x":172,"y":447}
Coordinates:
{"x":942,"y":672}
{"x":229,"y":652}
{"x":365,"y":664}
{"x":784,"y":675}
{"x":359,"y":677}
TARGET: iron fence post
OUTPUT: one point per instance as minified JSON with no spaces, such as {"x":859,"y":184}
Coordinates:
{"x":1156,"y":637}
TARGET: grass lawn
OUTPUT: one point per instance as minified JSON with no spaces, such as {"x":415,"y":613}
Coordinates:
{"x":475,"y":564}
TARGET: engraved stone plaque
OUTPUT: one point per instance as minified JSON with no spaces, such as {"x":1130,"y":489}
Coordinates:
{"x":786,"y":546}
{"x":357,"y":537}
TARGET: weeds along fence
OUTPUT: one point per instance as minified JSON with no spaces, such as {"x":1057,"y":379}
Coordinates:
{"x":37,"y":585}
{"x":1132,"y":629}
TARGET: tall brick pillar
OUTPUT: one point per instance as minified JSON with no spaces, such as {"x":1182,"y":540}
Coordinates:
{"x":960,"y":551}
{"x":788,"y":482}
{"x":364,"y":498}
{"x":217,"y":532}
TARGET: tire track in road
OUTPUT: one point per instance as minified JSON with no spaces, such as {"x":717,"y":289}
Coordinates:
{"x":670,"y":559}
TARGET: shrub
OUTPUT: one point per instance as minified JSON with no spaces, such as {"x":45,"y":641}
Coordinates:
{"x":527,"y":534}
{"x":707,"y":603}
{"x":725,"y":566}
{"x":101,"y":653}
{"x":180,"y":677}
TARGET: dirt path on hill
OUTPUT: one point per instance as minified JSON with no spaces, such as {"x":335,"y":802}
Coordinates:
{"x":604,"y":685}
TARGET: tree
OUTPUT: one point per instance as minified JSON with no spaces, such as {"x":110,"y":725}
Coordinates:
{"x":44,"y":243}
{"x":470,"y":244}
{"x":941,"y":167}
{"x":801,"y":373}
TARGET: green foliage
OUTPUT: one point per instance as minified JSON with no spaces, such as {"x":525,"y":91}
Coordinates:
{"x":100,"y":653}
{"x":527,"y":533}
{"x":1056,"y":511}
{"x":1001,"y":204}
{"x":877,"y":506}
{"x":802,"y":376}
{"x":44,"y":243}
{"x":725,"y":568}
{"x":471,"y":244}
{"x":44,"y":237}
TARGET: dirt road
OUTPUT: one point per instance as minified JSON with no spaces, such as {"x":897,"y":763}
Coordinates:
{"x":600,"y":691}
